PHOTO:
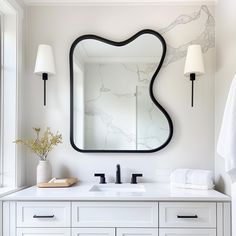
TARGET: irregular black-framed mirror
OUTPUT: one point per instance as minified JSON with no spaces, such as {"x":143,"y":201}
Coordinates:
{"x":112,"y":105}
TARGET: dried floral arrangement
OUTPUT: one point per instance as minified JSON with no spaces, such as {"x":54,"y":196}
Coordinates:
{"x":41,"y":146}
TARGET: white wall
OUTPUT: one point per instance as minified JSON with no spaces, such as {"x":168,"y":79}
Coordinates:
{"x":193,"y":141}
{"x":226,"y":69}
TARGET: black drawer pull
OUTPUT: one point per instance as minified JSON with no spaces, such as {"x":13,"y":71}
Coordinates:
{"x":187,"y":217}
{"x":43,"y":217}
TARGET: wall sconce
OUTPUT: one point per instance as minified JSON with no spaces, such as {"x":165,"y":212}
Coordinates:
{"x":45,"y":65}
{"x":194,"y":65}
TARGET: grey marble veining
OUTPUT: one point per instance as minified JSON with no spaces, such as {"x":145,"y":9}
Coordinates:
{"x":206,"y":39}
{"x":142,"y":113}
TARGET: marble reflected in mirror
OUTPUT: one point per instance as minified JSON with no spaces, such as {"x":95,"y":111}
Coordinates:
{"x":113,"y":108}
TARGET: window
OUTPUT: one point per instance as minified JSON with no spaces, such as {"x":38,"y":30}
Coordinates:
{"x":10,"y":52}
{"x":1,"y":47}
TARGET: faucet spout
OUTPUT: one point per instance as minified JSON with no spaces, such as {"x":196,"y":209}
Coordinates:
{"x":118,"y":175}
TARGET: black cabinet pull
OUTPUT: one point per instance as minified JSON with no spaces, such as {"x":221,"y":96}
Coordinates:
{"x":187,"y":217}
{"x":43,"y":217}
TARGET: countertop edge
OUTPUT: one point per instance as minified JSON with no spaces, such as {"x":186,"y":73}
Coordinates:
{"x":96,"y":199}
{"x":82,"y":193}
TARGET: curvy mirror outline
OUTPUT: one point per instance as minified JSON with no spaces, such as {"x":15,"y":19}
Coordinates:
{"x":151,"y":93}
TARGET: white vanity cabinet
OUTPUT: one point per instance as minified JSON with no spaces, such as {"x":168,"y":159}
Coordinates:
{"x":113,"y":218}
{"x":158,"y":211}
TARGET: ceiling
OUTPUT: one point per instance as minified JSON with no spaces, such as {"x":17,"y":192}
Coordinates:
{"x":114,"y":2}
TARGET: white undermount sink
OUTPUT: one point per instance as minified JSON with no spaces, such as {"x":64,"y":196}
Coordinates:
{"x":118,"y":188}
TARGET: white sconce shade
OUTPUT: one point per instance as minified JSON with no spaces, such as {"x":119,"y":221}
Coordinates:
{"x":45,"y":65}
{"x":45,"y":60}
{"x":194,"y":65}
{"x":194,"y":61}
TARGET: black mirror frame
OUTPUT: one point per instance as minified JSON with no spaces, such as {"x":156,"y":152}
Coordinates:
{"x":119,"y":44}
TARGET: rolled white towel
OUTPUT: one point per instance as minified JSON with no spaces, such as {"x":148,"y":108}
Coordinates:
{"x":200,"y":177}
{"x":192,"y":178}
{"x":179,"y":176}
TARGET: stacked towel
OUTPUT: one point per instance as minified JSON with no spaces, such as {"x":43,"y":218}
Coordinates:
{"x":192,"y":178}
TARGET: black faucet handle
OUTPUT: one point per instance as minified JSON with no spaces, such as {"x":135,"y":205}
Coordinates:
{"x":102,"y":177}
{"x":118,"y":174}
{"x":134,"y":178}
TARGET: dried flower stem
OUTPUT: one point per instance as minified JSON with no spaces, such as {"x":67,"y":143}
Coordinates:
{"x":41,"y":146}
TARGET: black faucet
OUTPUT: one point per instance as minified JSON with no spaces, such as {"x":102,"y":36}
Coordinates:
{"x":102,"y":177}
{"x":118,"y":177}
{"x":134,"y":178}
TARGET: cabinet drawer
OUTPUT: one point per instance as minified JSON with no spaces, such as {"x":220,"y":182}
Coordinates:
{"x":114,"y":214}
{"x":187,"y":232}
{"x":43,"y":214}
{"x":137,"y":232}
{"x":93,"y":232}
{"x":44,"y":232}
{"x":194,"y":214}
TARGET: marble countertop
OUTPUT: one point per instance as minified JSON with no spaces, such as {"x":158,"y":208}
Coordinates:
{"x":80,"y":192}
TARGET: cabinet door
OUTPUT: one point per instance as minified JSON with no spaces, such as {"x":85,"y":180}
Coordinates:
{"x":137,"y":232}
{"x":44,"y":232}
{"x":93,"y":232}
{"x":187,"y":232}
{"x":114,"y":214}
{"x":43,"y":214}
{"x":187,"y":214}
